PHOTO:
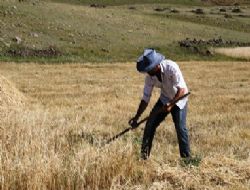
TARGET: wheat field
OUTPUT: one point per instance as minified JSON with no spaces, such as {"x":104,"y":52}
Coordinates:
{"x":54,"y":140}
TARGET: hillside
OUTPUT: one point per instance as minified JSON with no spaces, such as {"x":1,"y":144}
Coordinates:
{"x":62,"y":31}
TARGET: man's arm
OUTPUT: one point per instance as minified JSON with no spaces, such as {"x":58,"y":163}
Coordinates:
{"x":179,"y":83}
{"x":170,"y":105}
{"x":147,"y":91}
{"x":142,"y":107}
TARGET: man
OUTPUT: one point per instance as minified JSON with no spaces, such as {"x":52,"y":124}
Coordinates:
{"x":166,"y":75}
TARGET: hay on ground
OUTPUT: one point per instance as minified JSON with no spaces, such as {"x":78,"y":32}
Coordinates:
{"x":10,"y":96}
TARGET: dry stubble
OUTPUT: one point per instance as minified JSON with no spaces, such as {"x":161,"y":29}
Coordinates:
{"x":54,"y":143}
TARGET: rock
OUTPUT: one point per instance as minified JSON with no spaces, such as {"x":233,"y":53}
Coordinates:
{"x":17,"y":39}
{"x":198,"y":11}
{"x":236,"y":10}
{"x":25,"y":51}
{"x":208,"y":53}
{"x":202,"y":46}
{"x":160,"y":9}
{"x":132,"y":8}
{"x":33,"y":34}
{"x":223,"y":10}
{"x":105,"y":50}
{"x":174,"y":11}
{"x":244,"y":16}
{"x":95,"y":5}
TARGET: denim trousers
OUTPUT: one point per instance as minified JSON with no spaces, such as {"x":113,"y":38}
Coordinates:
{"x":179,"y":119}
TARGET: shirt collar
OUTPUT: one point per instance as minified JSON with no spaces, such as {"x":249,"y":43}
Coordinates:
{"x":162,"y":70}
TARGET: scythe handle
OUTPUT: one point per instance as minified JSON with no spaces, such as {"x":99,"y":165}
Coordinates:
{"x":142,"y":121}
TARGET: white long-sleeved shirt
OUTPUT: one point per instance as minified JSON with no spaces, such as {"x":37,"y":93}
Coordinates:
{"x":171,"y":79}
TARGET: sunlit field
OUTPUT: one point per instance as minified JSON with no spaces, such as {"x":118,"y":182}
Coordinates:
{"x":239,"y":52}
{"x":54,"y":138}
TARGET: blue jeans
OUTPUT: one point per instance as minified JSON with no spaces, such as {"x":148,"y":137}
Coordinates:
{"x":179,"y":119}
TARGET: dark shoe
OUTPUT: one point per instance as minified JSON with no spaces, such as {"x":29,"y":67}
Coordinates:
{"x":144,"y":156}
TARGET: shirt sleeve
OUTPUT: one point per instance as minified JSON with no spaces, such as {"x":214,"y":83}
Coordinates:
{"x":177,"y":78}
{"x":148,"y":88}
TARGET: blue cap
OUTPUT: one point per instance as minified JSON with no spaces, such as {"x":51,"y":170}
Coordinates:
{"x":149,"y":60}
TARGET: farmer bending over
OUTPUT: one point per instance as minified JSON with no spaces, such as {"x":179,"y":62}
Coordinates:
{"x":166,"y":75}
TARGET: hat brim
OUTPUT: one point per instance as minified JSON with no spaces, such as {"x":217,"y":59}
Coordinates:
{"x":141,"y":65}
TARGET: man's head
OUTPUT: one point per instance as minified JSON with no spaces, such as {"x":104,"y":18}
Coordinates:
{"x":155,"y":70}
{"x":149,"y":62}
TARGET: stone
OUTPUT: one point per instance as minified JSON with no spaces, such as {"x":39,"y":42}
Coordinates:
{"x":208,"y":53}
{"x":17,"y":39}
{"x":236,"y":10}
{"x":223,"y":10}
{"x":95,"y":5}
{"x":160,"y":9}
{"x":105,"y":50}
{"x":198,"y":11}
{"x":34,"y":34}
{"x":132,"y":8}
{"x":174,"y":11}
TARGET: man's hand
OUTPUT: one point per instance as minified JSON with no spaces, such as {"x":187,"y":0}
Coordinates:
{"x":133,"y":122}
{"x":179,"y":94}
{"x":168,"y":107}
